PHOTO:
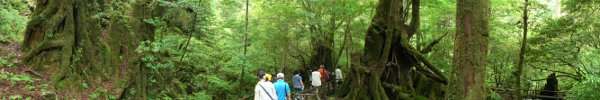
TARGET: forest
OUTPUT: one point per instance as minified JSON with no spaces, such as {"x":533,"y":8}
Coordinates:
{"x":385,"y":49}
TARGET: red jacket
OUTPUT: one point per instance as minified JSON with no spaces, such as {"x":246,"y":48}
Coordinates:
{"x":324,"y":74}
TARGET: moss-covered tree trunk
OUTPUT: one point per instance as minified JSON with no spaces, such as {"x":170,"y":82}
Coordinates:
{"x":75,"y":45}
{"x":54,"y":38}
{"x":470,"y":51}
{"x":390,"y":68}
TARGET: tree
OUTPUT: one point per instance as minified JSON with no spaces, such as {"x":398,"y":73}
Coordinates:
{"x":75,"y":44}
{"x":519,"y":72}
{"x":245,"y":46}
{"x":470,"y":50}
{"x":384,"y":70}
{"x":322,"y":39}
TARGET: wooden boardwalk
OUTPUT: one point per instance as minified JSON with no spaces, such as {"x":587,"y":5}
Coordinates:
{"x":307,"y":93}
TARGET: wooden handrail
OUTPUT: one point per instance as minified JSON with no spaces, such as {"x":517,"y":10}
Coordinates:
{"x":552,"y":97}
{"x":527,"y":90}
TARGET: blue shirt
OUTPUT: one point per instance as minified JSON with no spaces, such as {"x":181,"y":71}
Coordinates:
{"x":282,"y":89}
{"x":297,"y":79}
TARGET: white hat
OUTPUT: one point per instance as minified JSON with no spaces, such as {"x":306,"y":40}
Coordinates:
{"x":279,"y":75}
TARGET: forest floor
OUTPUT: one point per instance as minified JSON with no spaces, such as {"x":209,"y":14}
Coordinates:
{"x":16,"y":80}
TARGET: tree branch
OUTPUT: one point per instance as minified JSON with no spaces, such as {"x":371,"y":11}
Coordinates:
{"x":430,"y":74}
{"x":302,"y":52}
{"x":577,"y":70}
{"x":574,"y":76}
{"x":419,"y":57}
{"x":430,"y":46}
{"x":415,"y":20}
{"x":569,"y":76}
{"x":347,"y":31}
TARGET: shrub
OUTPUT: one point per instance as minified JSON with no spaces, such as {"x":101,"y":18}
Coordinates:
{"x":586,"y":89}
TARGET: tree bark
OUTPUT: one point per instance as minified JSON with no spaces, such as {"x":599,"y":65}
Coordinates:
{"x":66,"y":41}
{"x":385,"y":69}
{"x":55,"y":39}
{"x":470,"y":51}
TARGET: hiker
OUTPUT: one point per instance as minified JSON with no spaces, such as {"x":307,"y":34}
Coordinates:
{"x":309,"y":75}
{"x":282,"y":88}
{"x":338,"y":75}
{"x":264,"y":90}
{"x":298,"y":84}
{"x":316,"y":80}
{"x":323,"y":73}
{"x":269,"y":78}
{"x":550,"y":89}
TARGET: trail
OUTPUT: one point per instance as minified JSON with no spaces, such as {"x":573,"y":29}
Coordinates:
{"x":309,"y":94}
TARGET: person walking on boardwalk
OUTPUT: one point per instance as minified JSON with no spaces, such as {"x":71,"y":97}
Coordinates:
{"x":298,"y":85}
{"x":316,"y":80}
{"x":282,"y":88}
{"x":338,"y":75}
{"x":264,"y":90}
{"x":323,"y":73}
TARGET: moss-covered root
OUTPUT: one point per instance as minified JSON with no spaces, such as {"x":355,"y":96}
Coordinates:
{"x":364,"y":85}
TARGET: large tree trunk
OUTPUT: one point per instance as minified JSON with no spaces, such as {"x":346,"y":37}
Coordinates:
{"x":65,"y":41}
{"x":55,"y":37}
{"x":385,"y":70}
{"x":322,"y":46}
{"x":470,"y":51}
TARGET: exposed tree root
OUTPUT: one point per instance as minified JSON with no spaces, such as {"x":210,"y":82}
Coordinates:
{"x":392,"y":68}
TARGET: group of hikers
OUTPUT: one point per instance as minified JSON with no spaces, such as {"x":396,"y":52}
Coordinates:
{"x":278,"y":89}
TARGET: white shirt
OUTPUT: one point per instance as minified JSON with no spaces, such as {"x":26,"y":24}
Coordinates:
{"x":316,"y":78}
{"x":338,"y":74}
{"x":261,"y":94}
{"x":310,"y":77}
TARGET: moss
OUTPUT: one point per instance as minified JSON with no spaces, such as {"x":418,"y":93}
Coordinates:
{"x":74,"y":48}
{"x":70,"y":83}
